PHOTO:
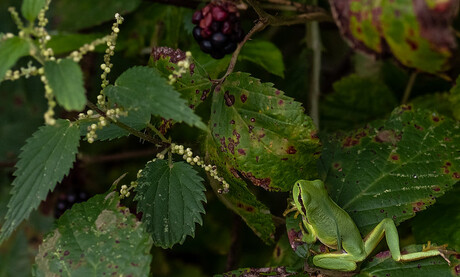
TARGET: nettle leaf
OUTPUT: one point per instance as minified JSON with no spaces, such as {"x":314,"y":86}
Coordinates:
{"x":355,"y":101}
{"x":394,"y":169}
{"x":10,"y":51}
{"x":265,"y":54}
{"x":45,"y":159}
{"x":194,"y":86}
{"x":31,"y":8}
{"x":262,"y":133}
{"x":240,"y":199}
{"x":143,"y":88}
{"x":66,"y":80}
{"x":417,"y":33}
{"x":170,"y":199}
{"x":96,"y":238}
{"x":382,"y":265}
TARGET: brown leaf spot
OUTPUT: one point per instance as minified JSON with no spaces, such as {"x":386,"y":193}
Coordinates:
{"x":418,"y":127}
{"x":436,"y":188}
{"x":229,"y":99}
{"x":435,"y":118}
{"x":395,"y":157}
{"x":281,"y":102}
{"x":388,"y":136}
{"x":295,"y":238}
{"x":277,"y":92}
{"x":241,"y":151}
{"x":291,"y":150}
{"x":456,"y":175}
{"x":260,"y":182}
{"x":243,"y":97}
{"x":412,"y":44}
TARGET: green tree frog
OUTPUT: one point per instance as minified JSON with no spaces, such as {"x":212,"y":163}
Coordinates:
{"x":324,"y":220}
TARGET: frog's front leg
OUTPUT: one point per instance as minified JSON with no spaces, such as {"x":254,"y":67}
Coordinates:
{"x":388,"y":228}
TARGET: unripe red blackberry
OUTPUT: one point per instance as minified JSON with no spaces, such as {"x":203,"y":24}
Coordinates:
{"x":218,"y":29}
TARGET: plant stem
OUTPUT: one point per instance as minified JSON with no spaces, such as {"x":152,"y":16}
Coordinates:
{"x":409,"y":86}
{"x":124,"y":126}
{"x":314,"y":40}
{"x":157,"y":132}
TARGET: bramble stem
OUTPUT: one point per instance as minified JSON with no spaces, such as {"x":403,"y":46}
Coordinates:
{"x":314,"y":40}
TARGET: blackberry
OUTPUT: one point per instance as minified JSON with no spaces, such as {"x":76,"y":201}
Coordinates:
{"x":65,"y":201}
{"x":218,"y":30}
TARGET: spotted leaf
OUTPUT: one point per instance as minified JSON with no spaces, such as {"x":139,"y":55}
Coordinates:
{"x":96,"y":238}
{"x":394,"y":169}
{"x":417,"y":33}
{"x":263,"y":134}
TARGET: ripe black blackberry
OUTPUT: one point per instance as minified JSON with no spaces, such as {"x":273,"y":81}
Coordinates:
{"x":66,"y":200}
{"x":218,"y":29}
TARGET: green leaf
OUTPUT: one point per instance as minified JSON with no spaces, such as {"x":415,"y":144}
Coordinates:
{"x":194,"y":86}
{"x":394,"y":169}
{"x":44,"y":161}
{"x":417,"y":34}
{"x":169,"y":198}
{"x":265,"y":54}
{"x":96,"y":238}
{"x":66,"y":80}
{"x":15,"y":256}
{"x":240,"y":199}
{"x":382,"y":265}
{"x":76,"y":15}
{"x":31,"y":8}
{"x":143,"y":88}
{"x":10,"y":51}
{"x":444,"y":222}
{"x":262,"y":133}
{"x":356,"y":100}
{"x":66,"y":42}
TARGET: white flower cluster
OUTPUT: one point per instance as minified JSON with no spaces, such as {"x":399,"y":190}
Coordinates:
{"x":42,"y":34}
{"x":113,"y":114}
{"x":28,"y":71}
{"x":49,"y":114}
{"x":125,"y":190}
{"x":184,"y":65}
{"x":77,"y":55}
{"x":187,"y":155}
{"x":109,"y":52}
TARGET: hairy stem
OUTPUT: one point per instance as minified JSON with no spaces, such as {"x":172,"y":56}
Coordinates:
{"x":124,"y":126}
{"x":158,"y":133}
{"x":409,"y":86}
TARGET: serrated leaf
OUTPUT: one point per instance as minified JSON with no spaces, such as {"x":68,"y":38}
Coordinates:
{"x":76,"y":15}
{"x":194,"y":86}
{"x":10,"y":51}
{"x":394,"y":169}
{"x":382,"y":265}
{"x":262,"y":133}
{"x":444,"y":222}
{"x":417,"y":33}
{"x":31,"y":8}
{"x":240,"y":199}
{"x":265,"y":54}
{"x":44,"y":161}
{"x":143,"y":88}
{"x":66,"y":80}
{"x":170,"y":199}
{"x":96,"y":238}
{"x":355,"y":101}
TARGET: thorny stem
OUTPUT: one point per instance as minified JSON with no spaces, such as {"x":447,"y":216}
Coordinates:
{"x":124,"y":126}
{"x":314,"y":39}
{"x":409,"y":86}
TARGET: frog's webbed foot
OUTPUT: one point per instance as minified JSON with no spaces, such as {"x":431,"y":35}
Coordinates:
{"x":291,"y":208}
{"x":442,"y":249}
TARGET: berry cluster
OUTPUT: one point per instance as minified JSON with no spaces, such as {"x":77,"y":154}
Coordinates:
{"x":66,"y":200}
{"x":218,"y":29}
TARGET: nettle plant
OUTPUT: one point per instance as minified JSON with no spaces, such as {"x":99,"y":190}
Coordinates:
{"x":375,"y":159}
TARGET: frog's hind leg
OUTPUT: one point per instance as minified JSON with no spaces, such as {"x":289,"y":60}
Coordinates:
{"x":336,"y":261}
